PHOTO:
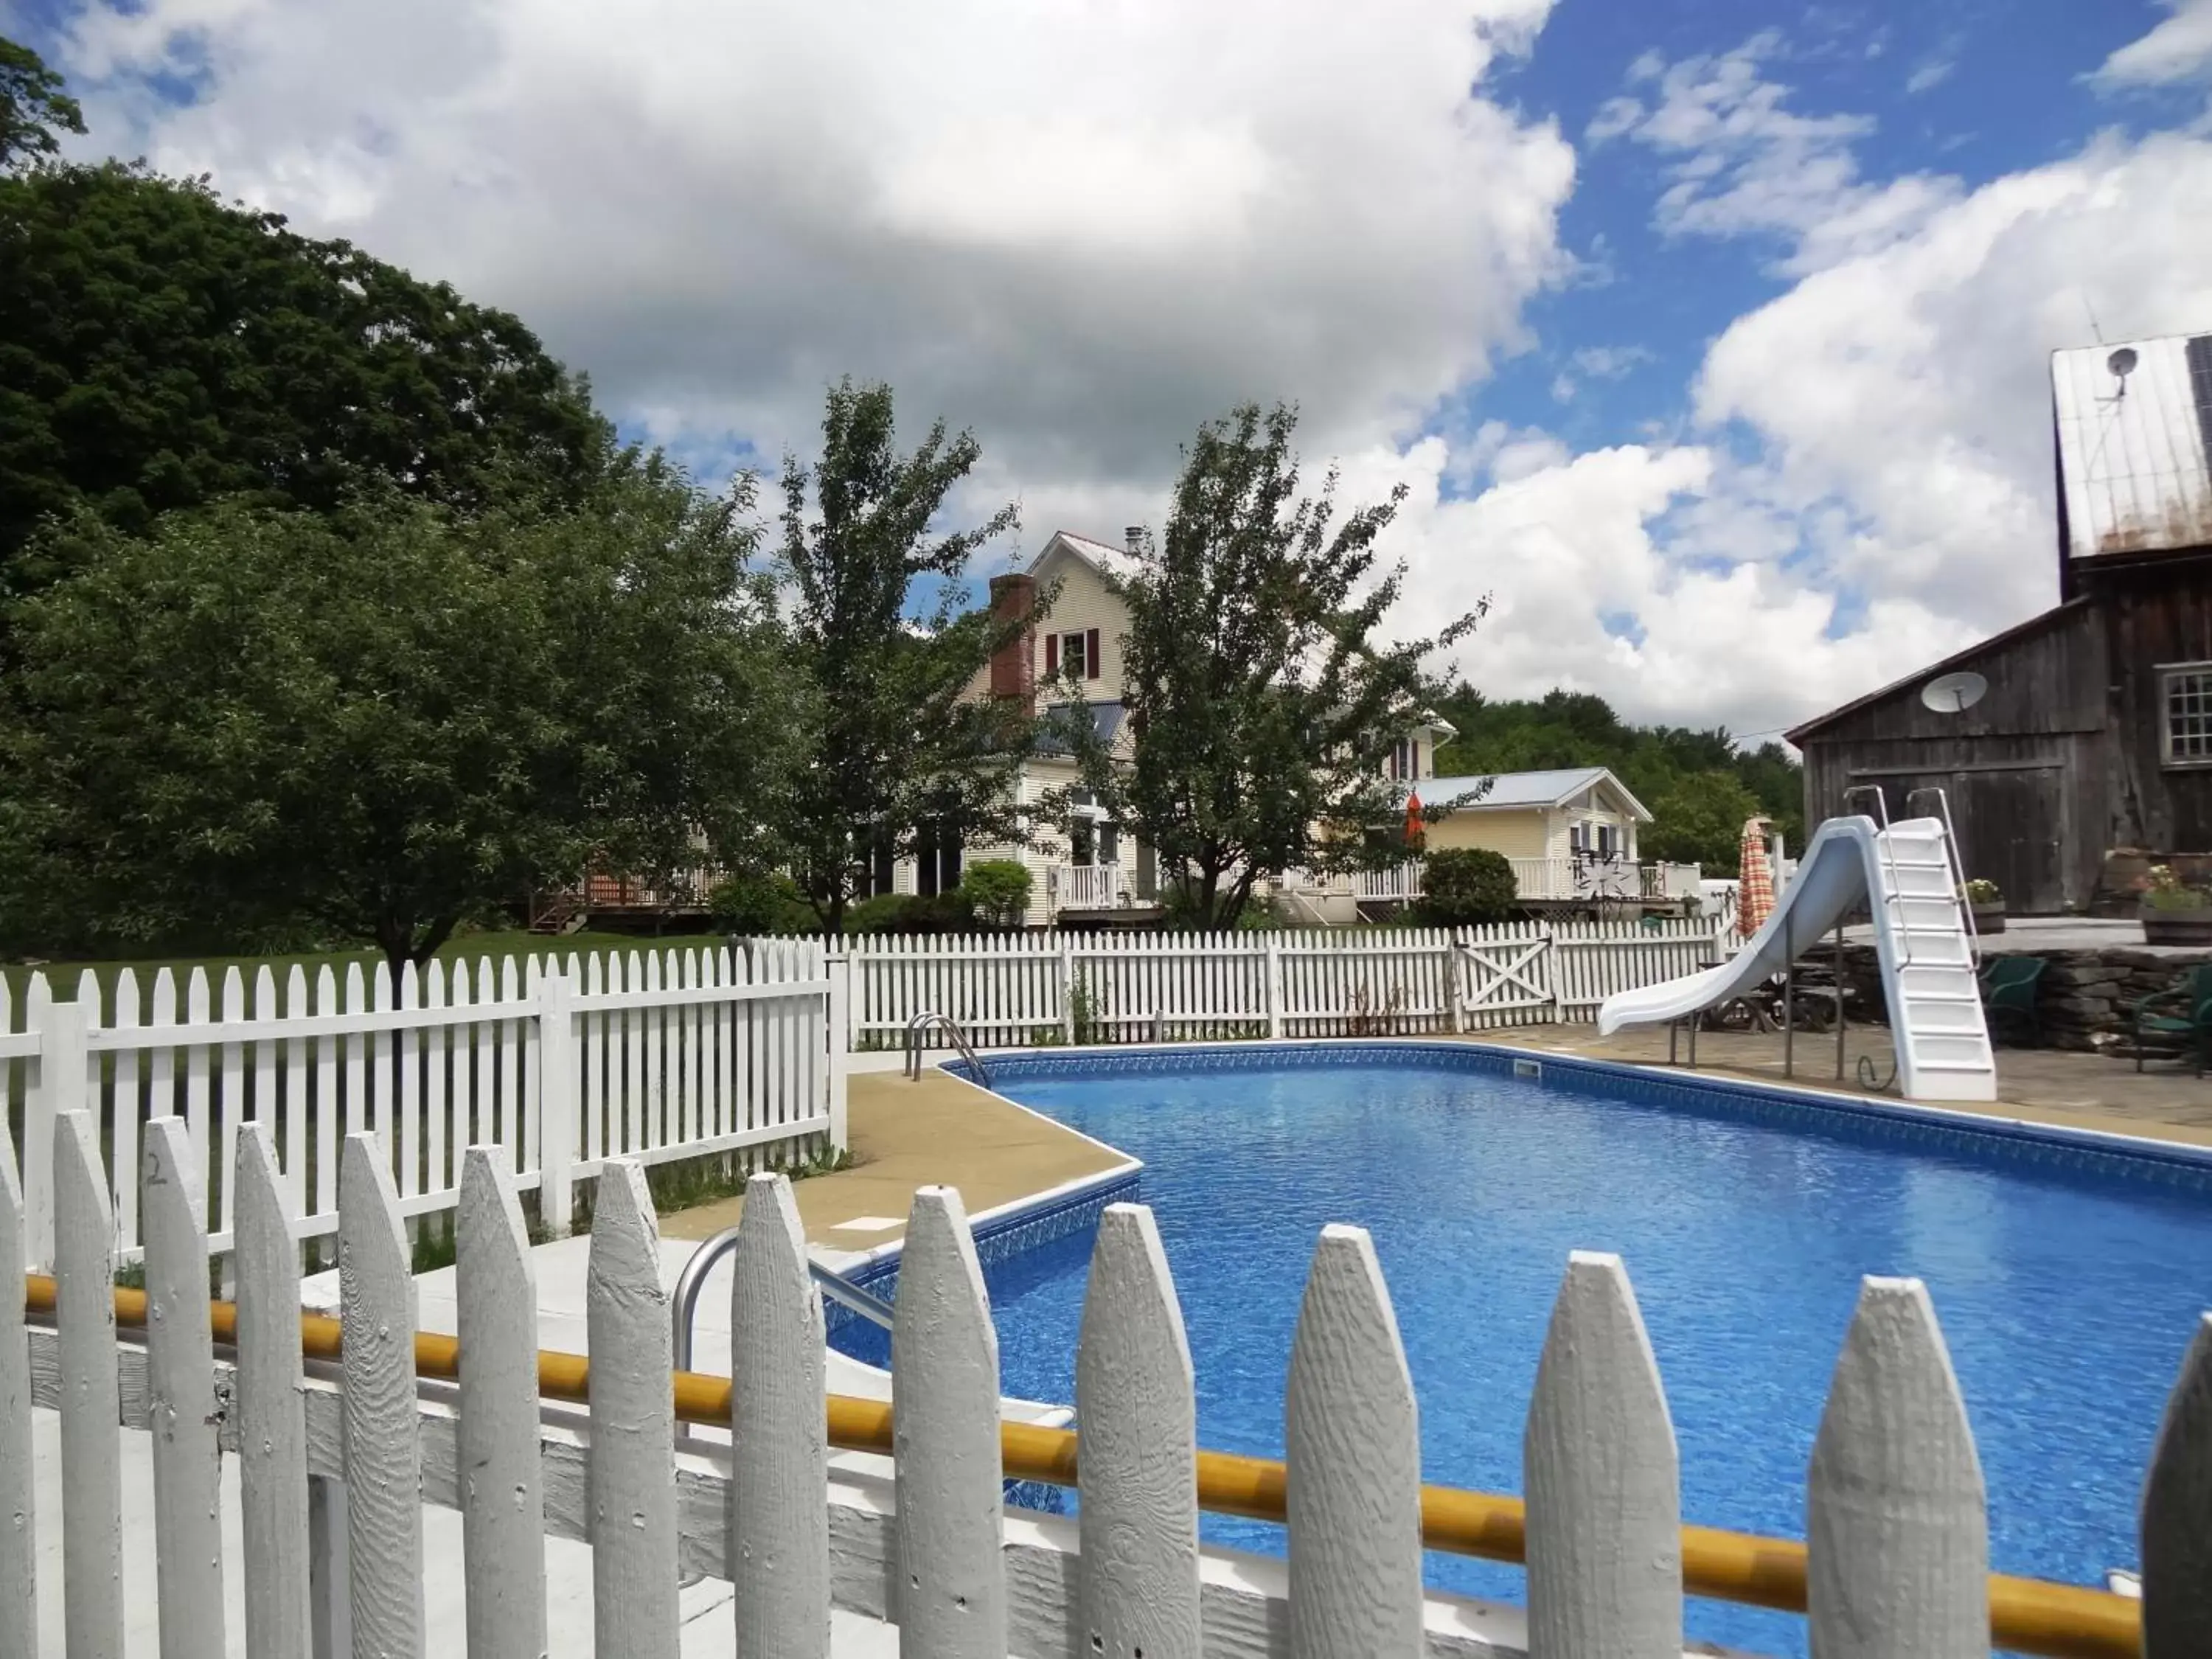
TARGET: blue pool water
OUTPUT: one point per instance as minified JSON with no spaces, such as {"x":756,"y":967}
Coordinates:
{"x":2067,"y":1287}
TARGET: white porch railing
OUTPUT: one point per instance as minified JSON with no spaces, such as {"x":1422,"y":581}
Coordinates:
{"x":1085,"y":886}
{"x":337,"y":1465}
{"x":657,"y":1054}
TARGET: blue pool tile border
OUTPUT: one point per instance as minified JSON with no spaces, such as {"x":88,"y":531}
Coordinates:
{"x":998,"y":1239}
{"x":2008,"y":1141}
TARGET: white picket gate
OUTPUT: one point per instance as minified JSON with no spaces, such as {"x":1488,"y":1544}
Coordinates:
{"x":1012,"y":989}
{"x":337,"y":1463}
{"x":652,"y":1053}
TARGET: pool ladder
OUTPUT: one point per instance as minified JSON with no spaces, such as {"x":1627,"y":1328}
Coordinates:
{"x":920,"y":1023}
{"x":684,"y":1301}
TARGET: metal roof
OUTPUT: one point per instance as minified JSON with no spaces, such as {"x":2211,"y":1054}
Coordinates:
{"x":1116,"y":562}
{"x":1105,"y":720}
{"x":2134,"y":445}
{"x":1524,"y":789}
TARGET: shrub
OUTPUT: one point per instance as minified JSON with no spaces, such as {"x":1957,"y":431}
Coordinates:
{"x":880,"y":914}
{"x":1981,"y":892}
{"x":758,"y":901}
{"x":1464,"y":887}
{"x":998,"y":891}
{"x":943,"y":913}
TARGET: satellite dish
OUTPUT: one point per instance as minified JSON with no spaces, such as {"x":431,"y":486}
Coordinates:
{"x":1953,"y":694}
{"x":2122,"y":362}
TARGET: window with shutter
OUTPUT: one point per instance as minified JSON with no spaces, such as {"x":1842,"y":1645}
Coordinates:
{"x":1090,"y":654}
{"x":1051,"y":655}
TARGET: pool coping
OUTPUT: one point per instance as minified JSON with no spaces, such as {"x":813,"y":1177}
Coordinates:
{"x":1037,"y":1217}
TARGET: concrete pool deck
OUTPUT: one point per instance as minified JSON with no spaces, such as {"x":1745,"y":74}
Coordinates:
{"x":937,"y":1131}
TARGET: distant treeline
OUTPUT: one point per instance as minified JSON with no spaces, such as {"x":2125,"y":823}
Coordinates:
{"x":1700,"y":786}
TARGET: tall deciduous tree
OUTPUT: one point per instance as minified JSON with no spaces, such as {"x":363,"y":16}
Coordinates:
{"x":1264,"y":699}
{"x":33,"y":107}
{"x":893,"y":745}
{"x":369,"y":724}
{"x":160,"y":348}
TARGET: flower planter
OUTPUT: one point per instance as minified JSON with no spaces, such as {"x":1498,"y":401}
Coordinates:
{"x":1989,"y":919}
{"x":2182,"y":927}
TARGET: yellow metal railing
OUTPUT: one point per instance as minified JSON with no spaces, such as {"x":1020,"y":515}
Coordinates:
{"x":2026,"y":1615}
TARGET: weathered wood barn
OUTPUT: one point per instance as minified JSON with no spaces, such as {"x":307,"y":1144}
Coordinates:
{"x":2085,"y":731}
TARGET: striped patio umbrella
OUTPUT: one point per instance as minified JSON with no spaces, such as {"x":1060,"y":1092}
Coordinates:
{"x":1755,"y":883}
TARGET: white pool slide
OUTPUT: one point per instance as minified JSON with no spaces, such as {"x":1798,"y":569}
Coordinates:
{"x":1906,"y":876}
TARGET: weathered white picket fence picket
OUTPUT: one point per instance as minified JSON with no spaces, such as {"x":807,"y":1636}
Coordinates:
{"x":651,"y":1054}
{"x":336,"y":1465}
{"x":1016,"y":989}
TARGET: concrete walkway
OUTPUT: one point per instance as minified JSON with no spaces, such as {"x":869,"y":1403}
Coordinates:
{"x":709,"y":1626}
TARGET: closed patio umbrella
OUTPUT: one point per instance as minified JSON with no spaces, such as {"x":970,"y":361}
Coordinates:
{"x":1755,"y":880}
{"x":1413,"y":826}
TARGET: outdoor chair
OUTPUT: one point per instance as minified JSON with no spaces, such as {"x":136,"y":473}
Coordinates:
{"x":2181,"y":1016}
{"x":2009,"y":986}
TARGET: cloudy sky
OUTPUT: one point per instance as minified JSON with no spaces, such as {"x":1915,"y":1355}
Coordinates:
{"x":1710,"y":335}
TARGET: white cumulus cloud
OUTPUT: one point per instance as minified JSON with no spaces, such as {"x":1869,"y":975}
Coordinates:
{"x":1079,"y":229}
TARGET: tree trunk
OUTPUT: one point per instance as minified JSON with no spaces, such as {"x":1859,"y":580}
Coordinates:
{"x":1209,"y":892}
{"x":395,"y":936}
{"x":1240,"y":895}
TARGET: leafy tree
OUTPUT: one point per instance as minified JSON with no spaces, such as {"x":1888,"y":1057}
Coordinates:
{"x":33,"y":108}
{"x":373,"y":723}
{"x":1700,"y":821}
{"x":160,"y":348}
{"x":1264,"y":703}
{"x":1467,"y":887}
{"x":891,"y":749}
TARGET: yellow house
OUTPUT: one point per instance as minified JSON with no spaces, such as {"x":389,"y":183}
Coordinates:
{"x":1571,"y":834}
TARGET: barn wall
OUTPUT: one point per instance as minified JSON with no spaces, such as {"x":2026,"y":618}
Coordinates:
{"x":2155,"y":616}
{"x":2026,"y":769}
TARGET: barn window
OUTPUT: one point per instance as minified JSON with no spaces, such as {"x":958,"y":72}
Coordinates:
{"x":2188,"y":715}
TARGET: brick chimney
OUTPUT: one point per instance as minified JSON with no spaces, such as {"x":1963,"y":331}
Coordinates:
{"x":1013,"y":665}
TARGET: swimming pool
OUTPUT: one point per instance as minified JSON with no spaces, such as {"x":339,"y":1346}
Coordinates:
{"x":2067,"y":1278}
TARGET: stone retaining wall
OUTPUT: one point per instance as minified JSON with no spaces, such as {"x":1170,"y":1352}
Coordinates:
{"x":2085,"y":998}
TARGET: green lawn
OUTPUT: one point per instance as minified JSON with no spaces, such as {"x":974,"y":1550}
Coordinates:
{"x":62,"y":977}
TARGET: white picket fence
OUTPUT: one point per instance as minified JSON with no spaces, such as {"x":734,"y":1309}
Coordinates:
{"x":654,"y":1053}
{"x":337,"y":1463}
{"x":1009,"y":989}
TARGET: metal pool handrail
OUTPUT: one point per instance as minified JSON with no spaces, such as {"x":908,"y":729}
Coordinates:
{"x":682,"y":1302}
{"x":2027,"y":1615}
{"x":920,"y":1023}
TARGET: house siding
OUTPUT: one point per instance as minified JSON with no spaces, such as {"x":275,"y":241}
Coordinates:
{"x":1084,"y":603}
{"x":1518,"y":832}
